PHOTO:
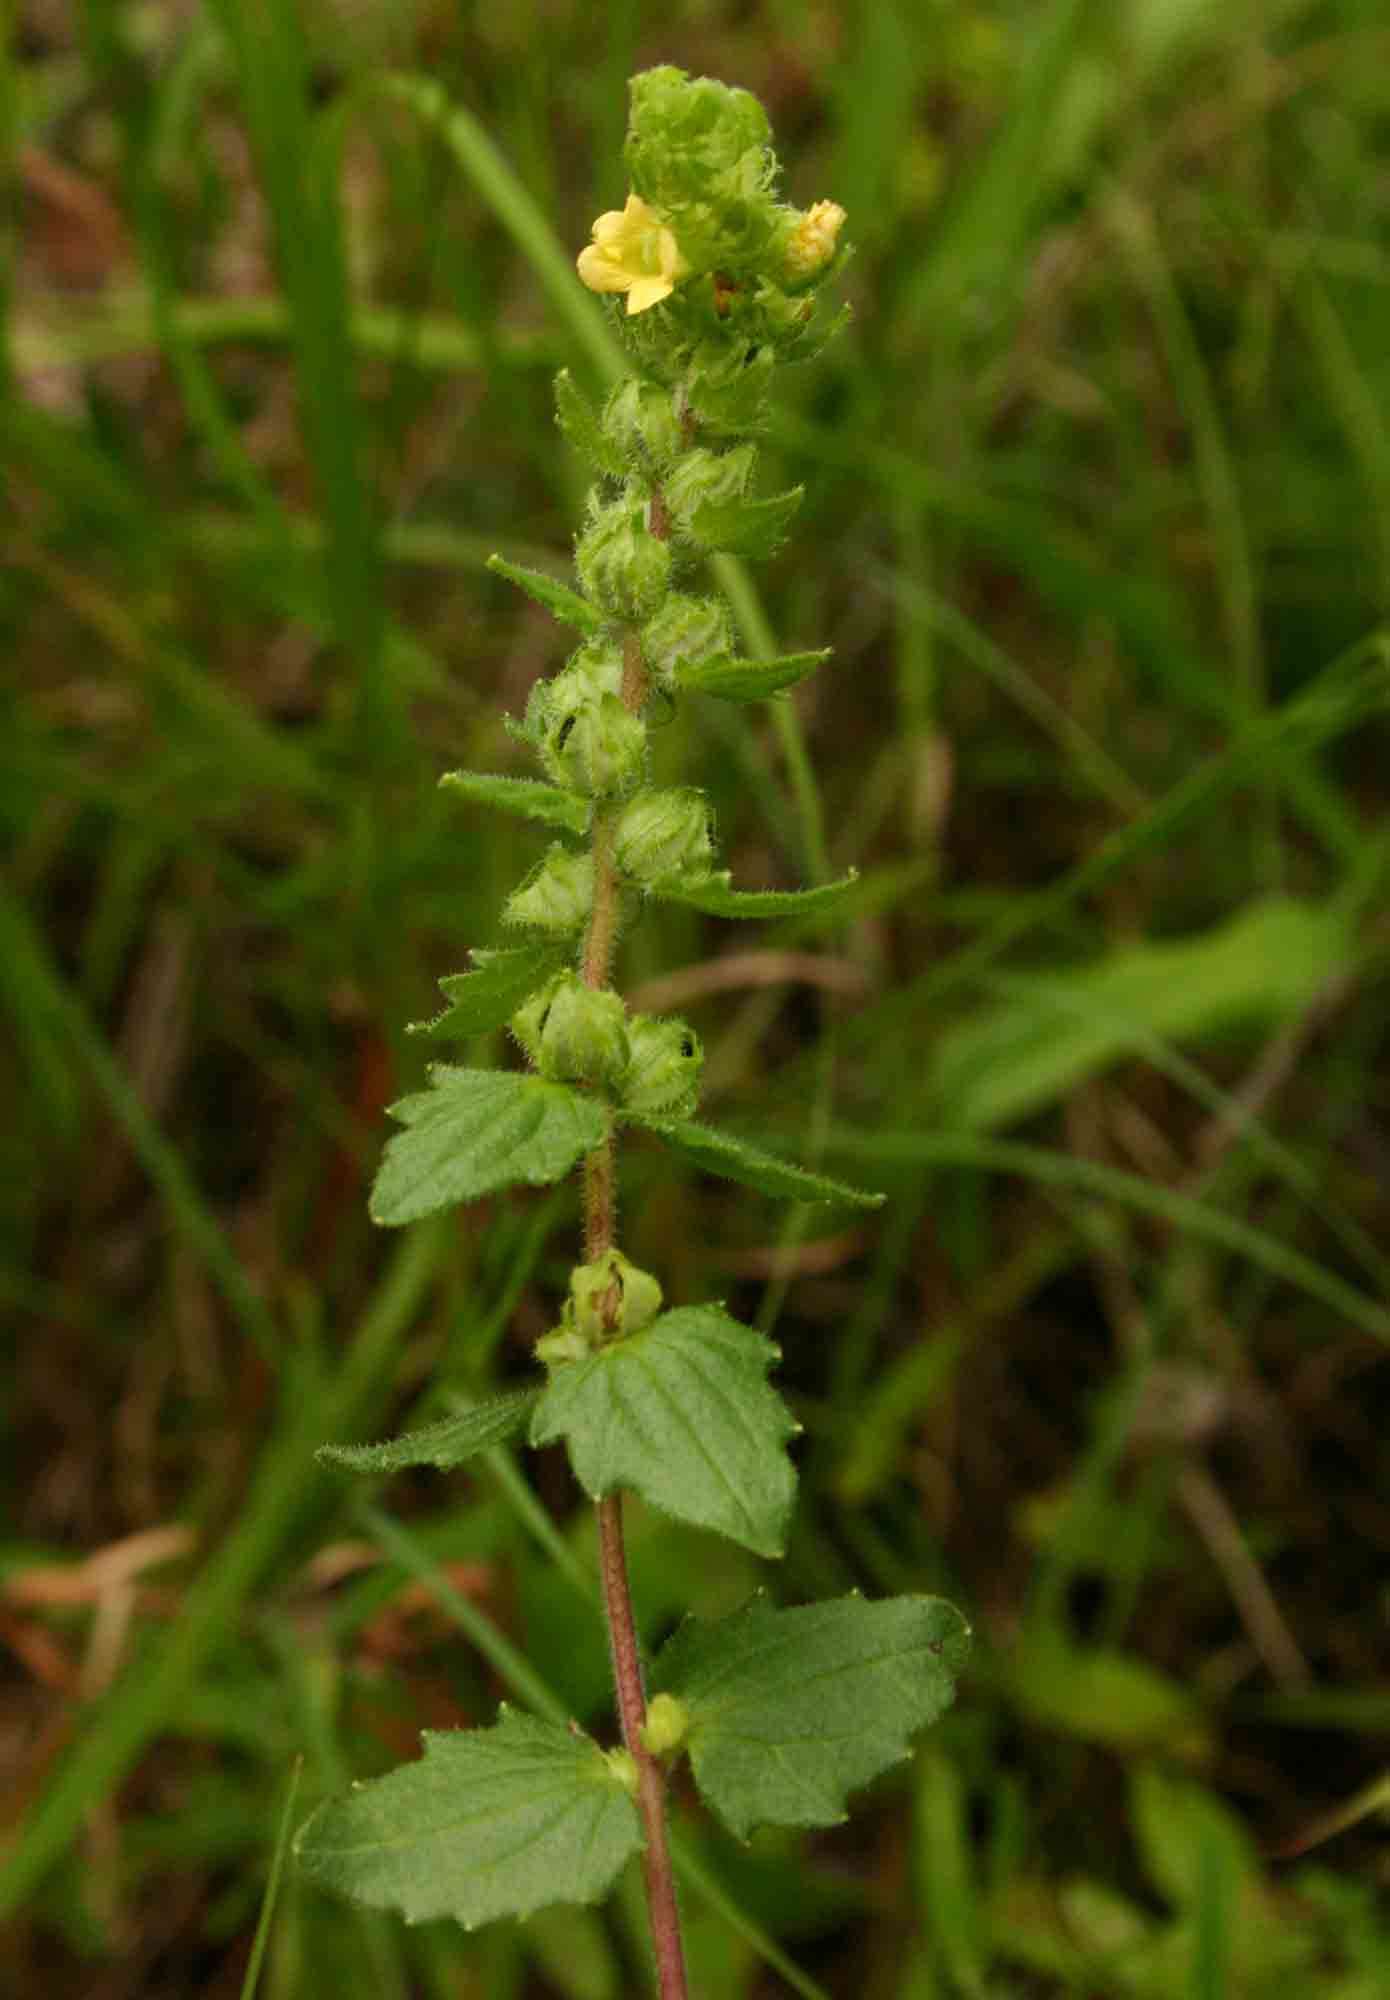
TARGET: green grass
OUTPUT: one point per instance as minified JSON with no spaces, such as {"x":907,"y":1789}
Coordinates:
{"x":1098,"y":523}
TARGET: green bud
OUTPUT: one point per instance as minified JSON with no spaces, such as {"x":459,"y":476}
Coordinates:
{"x":700,"y":152}
{"x":595,"y":669}
{"x":562,"y":1344}
{"x":529,"y":1019}
{"x":685,"y":632}
{"x":623,"y":1765}
{"x":728,"y":384}
{"x":664,"y":1065}
{"x":708,"y":478}
{"x":668,"y":1720}
{"x":597,"y":747}
{"x":582,"y":1034}
{"x":623,"y":567}
{"x":611,"y":1298}
{"x":642,"y":421}
{"x":557,"y":895}
{"x":664,"y":833}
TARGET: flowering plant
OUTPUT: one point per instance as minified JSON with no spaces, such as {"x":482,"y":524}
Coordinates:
{"x":781,"y":1712}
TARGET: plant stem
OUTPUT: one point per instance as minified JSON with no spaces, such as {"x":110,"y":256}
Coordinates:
{"x":657,"y":1872}
{"x":600,"y":1228}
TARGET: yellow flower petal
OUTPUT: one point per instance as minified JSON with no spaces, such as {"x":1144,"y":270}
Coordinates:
{"x":599,"y":271}
{"x":633,"y":251}
{"x":644,"y":292}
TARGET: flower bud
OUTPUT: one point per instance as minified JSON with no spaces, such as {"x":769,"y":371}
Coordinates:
{"x":641,"y":420}
{"x":696,"y":142}
{"x":685,"y":631}
{"x":611,"y":1298}
{"x":596,"y":746}
{"x":595,"y":669}
{"x":557,"y":895}
{"x":811,"y":240}
{"x":623,"y":567}
{"x":665,"y":1059}
{"x":703,"y":478}
{"x":582,"y":1034}
{"x":663,"y":833}
{"x":562,"y":1344}
{"x":666,"y":1726}
{"x":528,"y":1020}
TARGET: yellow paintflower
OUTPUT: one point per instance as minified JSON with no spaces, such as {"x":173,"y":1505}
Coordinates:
{"x":634,"y":252}
{"x":812,"y":242}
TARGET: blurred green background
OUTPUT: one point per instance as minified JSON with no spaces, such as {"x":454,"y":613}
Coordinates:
{"x":1098,"y":524}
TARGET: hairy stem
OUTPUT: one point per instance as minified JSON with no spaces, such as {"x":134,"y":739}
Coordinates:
{"x":600,"y":1229}
{"x":657,"y":1872}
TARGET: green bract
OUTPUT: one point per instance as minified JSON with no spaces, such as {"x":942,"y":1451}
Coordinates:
{"x":711,"y":283}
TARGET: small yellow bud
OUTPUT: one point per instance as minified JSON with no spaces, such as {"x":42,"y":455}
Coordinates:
{"x":812,"y":242}
{"x":634,"y":252}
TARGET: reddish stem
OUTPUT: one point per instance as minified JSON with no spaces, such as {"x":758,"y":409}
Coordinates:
{"x":600,"y":1229}
{"x":658,"y":1874}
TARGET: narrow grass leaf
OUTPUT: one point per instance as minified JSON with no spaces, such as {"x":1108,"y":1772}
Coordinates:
{"x":254,"y":1963}
{"x":1051,"y":1168}
{"x":734,"y":1159}
{"x":683,"y":1414}
{"x":714,"y":893}
{"x":790,"y":1711}
{"x":748,"y":680}
{"x":490,"y":994}
{"x":488,"y":1823}
{"x":474,"y":1131}
{"x":528,"y":798}
{"x":446,"y":1444}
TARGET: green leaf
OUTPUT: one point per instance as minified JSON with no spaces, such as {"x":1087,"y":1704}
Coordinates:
{"x":488,"y":1823}
{"x":746,"y":527}
{"x":445,"y":1444}
{"x":578,"y":419}
{"x":734,"y":1160}
{"x":530,"y":798}
{"x":487,"y":997}
{"x":683,"y":1414}
{"x":1052,"y":1030}
{"x":556,"y":597}
{"x":748,"y":680}
{"x":714,"y":893}
{"x":791,"y":1710}
{"x":474,"y":1131}
{"x":1100,"y":1695}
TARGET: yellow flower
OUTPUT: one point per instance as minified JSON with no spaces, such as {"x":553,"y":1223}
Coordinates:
{"x":812,"y":242}
{"x":634,"y":252}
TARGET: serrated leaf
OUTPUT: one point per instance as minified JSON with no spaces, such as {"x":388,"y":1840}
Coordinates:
{"x":716,"y":894}
{"x":488,"y":1823}
{"x":746,"y":527}
{"x":446,"y":1444}
{"x":682,"y":1413}
{"x":487,"y":997}
{"x":556,"y":597}
{"x":748,"y":680}
{"x":474,"y":1131}
{"x":529,"y":798}
{"x":735,"y":1160}
{"x":578,"y":419}
{"x":791,"y":1710}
